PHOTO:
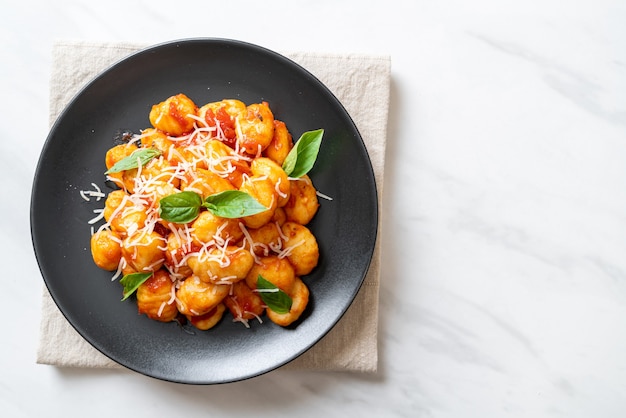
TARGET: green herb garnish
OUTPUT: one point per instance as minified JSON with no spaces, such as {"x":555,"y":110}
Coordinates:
{"x":185,"y":206}
{"x":180,"y":207}
{"x":272,"y":296}
{"x":139,"y":157}
{"x":303,"y":154}
{"x":233,"y":204}
{"x":132,"y":281}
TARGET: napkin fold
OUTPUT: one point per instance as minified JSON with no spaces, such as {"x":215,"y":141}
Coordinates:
{"x":361,"y":83}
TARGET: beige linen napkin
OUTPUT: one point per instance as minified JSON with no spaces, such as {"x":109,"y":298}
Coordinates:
{"x":361,"y":83}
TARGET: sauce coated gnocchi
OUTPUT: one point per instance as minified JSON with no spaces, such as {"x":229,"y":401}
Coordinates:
{"x":200,"y":269}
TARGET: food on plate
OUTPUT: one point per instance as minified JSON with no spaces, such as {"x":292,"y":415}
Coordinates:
{"x":210,"y":214}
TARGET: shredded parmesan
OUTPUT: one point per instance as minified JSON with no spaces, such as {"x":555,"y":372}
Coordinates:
{"x":242,"y":320}
{"x":226,"y":280}
{"x":120,"y":267}
{"x":323,"y":196}
{"x":278,"y":191}
{"x":97,"y":193}
{"x":287,"y":251}
{"x":153,"y":265}
{"x":250,"y":241}
{"x":274,"y":290}
{"x":112,"y":237}
{"x":239,"y":314}
{"x":161,"y":309}
{"x":172,"y":296}
{"x":256,"y":316}
{"x":100,"y":213}
{"x":276,"y":246}
{"x":281,"y":233}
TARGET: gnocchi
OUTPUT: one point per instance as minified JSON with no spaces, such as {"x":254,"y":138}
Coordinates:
{"x":200,"y":269}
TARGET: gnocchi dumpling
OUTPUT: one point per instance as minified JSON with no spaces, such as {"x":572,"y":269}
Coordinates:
{"x":209,"y":319}
{"x":106,"y":249}
{"x":261,"y":189}
{"x":300,"y":298}
{"x":195,"y":297}
{"x":254,"y":128}
{"x":221,"y":266}
{"x":265,"y":167}
{"x":155,"y":297}
{"x":303,"y":251}
{"x":280,"y":145}
{"x":274,"y":269}
{"x":243,"y":303}
{"x":144,"y":251}
{"x":303,"y":203}
{"x":174,"y":116}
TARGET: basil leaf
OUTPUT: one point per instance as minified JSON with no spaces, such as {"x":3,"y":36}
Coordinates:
{"x":273,"y":297}
{"x":303,"y":154}
{"x":233,"y":204}
{"x":180,"y":207}
{"x":132,"y":281}
{"x":141,"y":156}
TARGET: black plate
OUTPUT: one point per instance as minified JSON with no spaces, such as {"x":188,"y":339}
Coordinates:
{"x":120,"y":99}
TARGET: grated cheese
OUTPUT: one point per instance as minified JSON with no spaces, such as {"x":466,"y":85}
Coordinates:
{"x":281,"y":233}
{"x":100,"y":216}
{"x":278,"y":191}
{"x":274,"y":290}
{"x":97,"y":193}
{"x":122,"y":265}
{"x":287,"y":251}
{"x":255,"y":315}
{"x":323,"y":196}
{"x":250,"y":241}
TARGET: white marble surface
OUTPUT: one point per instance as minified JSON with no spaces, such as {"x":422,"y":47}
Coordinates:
{"x":504,"y":270}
